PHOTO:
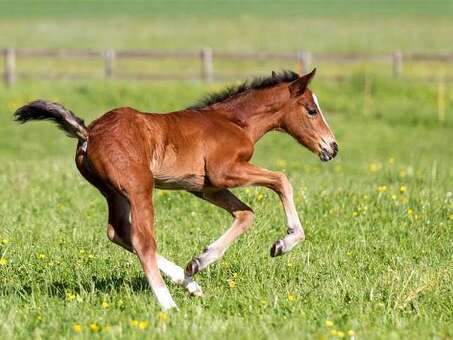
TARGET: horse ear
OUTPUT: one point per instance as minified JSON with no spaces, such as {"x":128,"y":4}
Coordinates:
{"x":274,"y":74}
{"x":298,"y":86}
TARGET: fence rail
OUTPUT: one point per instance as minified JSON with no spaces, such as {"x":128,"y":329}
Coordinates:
{"x":206,"y":57}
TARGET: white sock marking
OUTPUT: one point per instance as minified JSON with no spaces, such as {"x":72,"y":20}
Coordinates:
{"x":163,"y":296}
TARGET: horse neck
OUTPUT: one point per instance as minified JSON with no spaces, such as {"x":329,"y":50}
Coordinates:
{"x":257,"y":112}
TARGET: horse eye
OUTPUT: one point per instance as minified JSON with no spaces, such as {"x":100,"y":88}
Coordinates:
{"x":312,"y":112}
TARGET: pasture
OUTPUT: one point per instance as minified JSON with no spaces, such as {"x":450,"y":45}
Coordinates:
{"x":377,"y":262}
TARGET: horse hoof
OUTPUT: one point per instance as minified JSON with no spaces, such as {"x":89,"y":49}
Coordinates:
{"x":194,"y":289}
{"x":193,"y":267}
{"x":277,"y":248}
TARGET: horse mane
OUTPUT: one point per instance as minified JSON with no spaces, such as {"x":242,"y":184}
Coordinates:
{"x":256,"y":83}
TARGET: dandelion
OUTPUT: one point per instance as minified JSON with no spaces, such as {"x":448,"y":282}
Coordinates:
{"x":263,"y":302}
{"x":163,"y":316}
{"x":334,"y":332}
{"x":351,"y":332}
{"x":5,"y":241}
{"x":143,"y":324}
{"x":340,"y":334}
{"x":260,"y":197}
{"x":232,"y":283}
{"x":375,"y":167}
{"x":70,"y":296}
{"x":77,"y":328}
{"x":328,"y":323}
{"x":94,"y":327}
{"x":394,"y":197}
{"x":41,"y":256}
{"x":3,"y":262}
{"x":382,"y":188}
{"x":410,"y":212}
{"x":291,"y":297}
{"x":355,"y":214}
{"x":134,"y":323}
{"x":105,"y":305}
{"x":403,"y":189}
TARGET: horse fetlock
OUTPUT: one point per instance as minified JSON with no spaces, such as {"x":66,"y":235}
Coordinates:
{"x":193,"y":267}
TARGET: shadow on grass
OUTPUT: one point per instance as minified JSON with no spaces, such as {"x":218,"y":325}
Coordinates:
{"x":61,"y":289}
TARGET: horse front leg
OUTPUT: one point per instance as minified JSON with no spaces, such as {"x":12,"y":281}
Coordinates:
{"x":245,"y":174}
{"x":242,"y":220}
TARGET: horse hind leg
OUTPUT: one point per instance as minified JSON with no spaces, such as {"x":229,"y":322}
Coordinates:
{"x":119,"y":232}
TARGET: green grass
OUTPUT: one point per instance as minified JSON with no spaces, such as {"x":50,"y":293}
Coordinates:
{"x":377,"y":263}
{"x":378,"y":218}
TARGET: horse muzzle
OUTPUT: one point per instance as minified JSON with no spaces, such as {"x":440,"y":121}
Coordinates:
{"x":329,"y":152}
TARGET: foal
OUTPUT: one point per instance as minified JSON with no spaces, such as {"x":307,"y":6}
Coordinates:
{"x":204,"y":149}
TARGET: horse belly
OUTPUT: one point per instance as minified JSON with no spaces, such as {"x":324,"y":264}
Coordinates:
{"x":190,"y":182}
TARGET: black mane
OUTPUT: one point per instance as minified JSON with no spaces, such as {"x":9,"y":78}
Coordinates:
{"x":255,"y":83}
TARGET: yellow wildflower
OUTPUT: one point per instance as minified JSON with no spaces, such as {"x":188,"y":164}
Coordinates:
{"x":403,"y":173}
{"x":334,"y":332}
{"x":403,"y":189}
{"x":375,"y":167}
{"x":94,"y":327}
{"x":134,"y":323}
{"x":328,"y":323}
{"x":355,"y":214}
{"x":232,"y":283}
{"x":41,"y":256}
{"x":163,"y":316}
{"x":291,"y":297}
{"x":3,"y":261}
{"x":382,"y":188}
{"x":391,"y":160}
{"x":143,"y":324}
{"x":340,"y":334}
{"x":394,"y":197}
{"x":77,"y":328}
{"x":351,"y":332}
{"x":105,"y":305}
{"x":5,"y":241}
{"x":70,"y":296}
{"x":410,"y":211}
{"x":450,"y":217}
{"x":260,"y":197}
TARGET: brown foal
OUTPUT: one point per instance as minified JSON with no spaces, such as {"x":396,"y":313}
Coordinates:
{"x":204,"y":149}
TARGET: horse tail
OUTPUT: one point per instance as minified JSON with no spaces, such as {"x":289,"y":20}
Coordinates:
{"x":65,"y":119}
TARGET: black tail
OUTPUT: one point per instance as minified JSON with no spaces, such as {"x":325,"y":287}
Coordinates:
{"x":65,"y":119}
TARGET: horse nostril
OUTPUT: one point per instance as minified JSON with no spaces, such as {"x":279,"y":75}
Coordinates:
{"x":334,"y":146}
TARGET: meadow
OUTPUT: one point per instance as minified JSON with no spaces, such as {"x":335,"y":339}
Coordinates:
{"x":377,"y":262}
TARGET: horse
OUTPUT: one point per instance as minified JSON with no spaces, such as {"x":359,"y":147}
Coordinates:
{"x":204,"y":149}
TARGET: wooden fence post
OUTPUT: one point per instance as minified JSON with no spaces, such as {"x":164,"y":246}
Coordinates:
{"x":109,"y":57}
{"x":397,"y":58}
{"x":304,"y":62}
{"x":10,"y":66}
{"x":207,"y":67}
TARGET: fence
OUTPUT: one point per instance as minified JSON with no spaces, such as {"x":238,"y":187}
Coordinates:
{"x":206,"y":57}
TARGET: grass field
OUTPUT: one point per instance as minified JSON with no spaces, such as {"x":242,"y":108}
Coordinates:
{"x":377,"y":262}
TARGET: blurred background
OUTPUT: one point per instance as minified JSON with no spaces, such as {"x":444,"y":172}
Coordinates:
{"x":378,"y":218}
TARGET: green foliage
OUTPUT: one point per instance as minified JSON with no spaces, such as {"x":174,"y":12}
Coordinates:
{"x":378,"y":220}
